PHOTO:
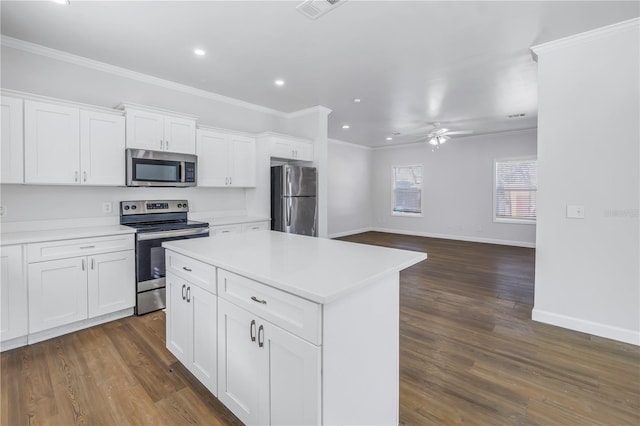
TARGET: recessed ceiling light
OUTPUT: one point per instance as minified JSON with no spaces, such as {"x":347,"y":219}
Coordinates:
{"x":199,"y":52}
{"x":356,"y":100}
{"x":345,"y":126}
{"x":61,"y":1}
{"x":279,"y":82}
{"x":389,"y":138}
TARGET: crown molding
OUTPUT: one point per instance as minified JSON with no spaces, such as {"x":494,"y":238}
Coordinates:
{"x":350,"y":144}
{"x":129,"y":106}
{"x":584,"y":37}
{"x":56,"y":101}
{"x":60,"y":55}
{"x":316,"y":109}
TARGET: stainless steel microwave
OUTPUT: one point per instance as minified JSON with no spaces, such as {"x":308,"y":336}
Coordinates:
{"x":159,"y":168}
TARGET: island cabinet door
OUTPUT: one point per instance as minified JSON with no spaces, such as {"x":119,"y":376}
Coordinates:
{"x":294,"y":378}
{"x":203,"y":362}
{"x":241,"y":370}
{"x":179,"y":319}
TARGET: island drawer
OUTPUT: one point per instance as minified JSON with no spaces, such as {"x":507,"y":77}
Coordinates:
{"x":52,"y":250}
{"x":294,"y":314}
{"x":199,"y":273}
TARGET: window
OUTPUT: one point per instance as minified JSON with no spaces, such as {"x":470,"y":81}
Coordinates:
{"x":516,"y":182}
{"x":407,"y":190}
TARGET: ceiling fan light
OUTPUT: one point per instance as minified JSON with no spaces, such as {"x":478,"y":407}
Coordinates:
{"x":443,"y":139}
{"x":433,"y":141}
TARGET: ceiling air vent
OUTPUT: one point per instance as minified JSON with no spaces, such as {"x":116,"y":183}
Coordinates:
{"x":313,"y":9}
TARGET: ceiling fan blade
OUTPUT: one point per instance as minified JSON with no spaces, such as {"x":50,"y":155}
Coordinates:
{"x":460,"y":132}
{"x":439,"y":132}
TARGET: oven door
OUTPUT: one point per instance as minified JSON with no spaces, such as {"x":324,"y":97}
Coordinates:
{"x":150,"y":266}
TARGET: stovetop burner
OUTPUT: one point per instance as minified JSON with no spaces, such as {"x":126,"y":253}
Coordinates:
{"x":167,"y":226}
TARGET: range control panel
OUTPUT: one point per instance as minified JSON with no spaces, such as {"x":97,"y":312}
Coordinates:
{"x":155,"y":206}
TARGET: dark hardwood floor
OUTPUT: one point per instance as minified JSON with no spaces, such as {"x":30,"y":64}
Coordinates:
{"x":469,"y":353}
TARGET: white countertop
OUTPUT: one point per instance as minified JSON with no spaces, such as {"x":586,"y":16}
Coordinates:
{"x":318,"y":269}
{"x":26,"y":237}
{"x":232,"y":220}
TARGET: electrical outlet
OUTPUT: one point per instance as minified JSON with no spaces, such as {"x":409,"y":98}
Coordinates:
{"x":107,"y":207}
{"x":3,"y":211}
{"x":575,"y":212}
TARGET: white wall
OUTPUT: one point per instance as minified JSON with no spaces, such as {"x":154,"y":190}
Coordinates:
{"x":350,"y":174}
{"x":457,"y":190}
{"x":587,"y":270}
{"x":56,"y":74}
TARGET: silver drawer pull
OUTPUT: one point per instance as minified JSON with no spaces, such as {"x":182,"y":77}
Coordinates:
{"x":87,"y":247}
{"x":186,"y":269}
{"x":255,"y":299}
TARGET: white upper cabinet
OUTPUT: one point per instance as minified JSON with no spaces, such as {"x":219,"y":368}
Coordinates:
{"x":12,"y":141}
{"x":102,"y":148}
{"x":226,"y":159}
{"x":290,"y":148}
{"x":67,"y":145}
{"x":51,"y":143}
{"x":158,"y":131}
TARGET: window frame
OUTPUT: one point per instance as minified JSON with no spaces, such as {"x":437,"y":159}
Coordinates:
{"x":495,"y":191}
{"x":393,"y":189}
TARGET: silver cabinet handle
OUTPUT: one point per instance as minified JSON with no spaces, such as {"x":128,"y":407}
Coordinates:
{"x":161,"y":144}
{"x":186,"y":269}
{"x":93,"y":263}
{"x":261,"y":336}
{"x":84,"y":176}
{"x":189,"y":294}
{"x":166,"y":144}
{"x":75,"y":176}
{"x":230,"y":180}
{"x":183,"y":296}
{"x":87,"y":247}
{"x":255,"y":299}
{"x":83,"y":264}
{"x":252,"y":330}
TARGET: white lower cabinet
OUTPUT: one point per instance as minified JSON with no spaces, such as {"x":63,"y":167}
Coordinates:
{"x":57,"y":293}
{"x":267,"y":375}
{"x":191,"y":329}
{"x":66,"y":287}
{"x":13,"y":294}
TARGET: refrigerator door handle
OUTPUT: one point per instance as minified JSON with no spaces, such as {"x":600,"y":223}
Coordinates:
{"x":287,"y":182}
{"x":288,"y":212}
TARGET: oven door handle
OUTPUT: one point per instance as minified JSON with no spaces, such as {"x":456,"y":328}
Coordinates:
{"x":145,"y":236}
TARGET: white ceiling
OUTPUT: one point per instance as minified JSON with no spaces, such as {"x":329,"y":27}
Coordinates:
{"x":465,"y":64}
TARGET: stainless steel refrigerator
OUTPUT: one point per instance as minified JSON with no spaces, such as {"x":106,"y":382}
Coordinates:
{"x":293,"y":200}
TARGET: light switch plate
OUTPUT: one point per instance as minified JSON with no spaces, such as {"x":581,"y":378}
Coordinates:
{"x":575,"y":212}
{"x":3,"y":211}
{"x":107,"y":207}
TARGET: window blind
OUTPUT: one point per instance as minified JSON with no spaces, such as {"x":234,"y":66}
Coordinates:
{"x":515,"y":190}
{"x":407,"y":189}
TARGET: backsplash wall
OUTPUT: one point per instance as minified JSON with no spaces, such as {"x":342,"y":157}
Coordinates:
{"x":39,"y":202}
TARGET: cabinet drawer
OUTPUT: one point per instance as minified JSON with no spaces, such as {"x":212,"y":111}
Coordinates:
{"x":225,"y":229}
{"x":296,"y":315}
{"x":51,"y":250}
{"x":255,"y":226}
{"x":194,"y":271}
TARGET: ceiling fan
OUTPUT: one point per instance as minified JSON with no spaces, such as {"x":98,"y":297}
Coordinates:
{"x":439,"y":135}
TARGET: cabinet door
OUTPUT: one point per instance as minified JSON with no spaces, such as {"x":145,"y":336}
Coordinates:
{"x":12,"y":141}
{"x":303,"y":151}
{"x":102,"y":148}
{"x":293,"y":380}
{"x":243,"y":161}
{"x":51,"y":143}
{"x":281,"y":148}
{"x":213,"y":158}
{"x":13,"y":294}
{"x":179,"y":333}
{"x":241,"y":369}
{"x":180,"y":135}
{"x":111,"y":282}
{"x":57,"y":293}
{"x":204,"y":319}
{"x":145,"y":130}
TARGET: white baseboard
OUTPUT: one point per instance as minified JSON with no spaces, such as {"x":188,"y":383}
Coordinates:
{"x":526,"y":244}
{"x":352,"y":232}
{"x":589,"y":327}
{"x":7,"y":345}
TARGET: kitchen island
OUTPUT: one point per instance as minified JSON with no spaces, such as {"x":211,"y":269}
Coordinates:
{"x":288,"y":329}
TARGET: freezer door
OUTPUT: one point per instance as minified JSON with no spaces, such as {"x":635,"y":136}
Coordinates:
{"x":299,"y":215}
{"x":299,"y":181}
